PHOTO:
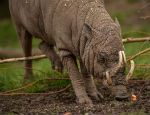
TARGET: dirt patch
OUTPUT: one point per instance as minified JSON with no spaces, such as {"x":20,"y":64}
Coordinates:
{"x":66,"y":102}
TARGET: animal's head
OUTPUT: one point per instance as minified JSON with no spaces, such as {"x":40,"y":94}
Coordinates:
{"x":104,"y":57}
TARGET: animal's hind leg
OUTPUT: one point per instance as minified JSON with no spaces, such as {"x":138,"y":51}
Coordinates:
{"x":26,"y":43}
{"x":49,"y":51}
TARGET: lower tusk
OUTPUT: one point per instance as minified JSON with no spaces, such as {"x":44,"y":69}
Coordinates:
{"x":108,"y":78}
{"x":131,"y":70}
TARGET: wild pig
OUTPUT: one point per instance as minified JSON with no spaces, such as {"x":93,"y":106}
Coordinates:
{"x":80,"y":29}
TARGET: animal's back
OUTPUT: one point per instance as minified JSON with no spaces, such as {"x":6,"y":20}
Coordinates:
{"x":34,"y":15}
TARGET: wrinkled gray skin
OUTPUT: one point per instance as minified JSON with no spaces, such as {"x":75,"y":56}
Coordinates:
{"x":80,"y":29}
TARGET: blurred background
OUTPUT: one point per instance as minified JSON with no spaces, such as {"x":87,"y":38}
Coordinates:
{"x":133,"y":16}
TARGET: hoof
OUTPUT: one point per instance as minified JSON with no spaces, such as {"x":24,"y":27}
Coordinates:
{"x":85,"y":100}
{"x":122,"y":96}
{"x":97,"y":96}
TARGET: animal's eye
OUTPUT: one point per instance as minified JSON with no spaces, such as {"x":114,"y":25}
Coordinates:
{"x":115,"y":58}
{"x":101,"y":59}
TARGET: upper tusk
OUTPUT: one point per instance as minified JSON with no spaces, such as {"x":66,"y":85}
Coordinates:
{"x":108,"y":78}
{"x":120,"y":58}
{"x":124,"y":56}
{"x":131,"y":70}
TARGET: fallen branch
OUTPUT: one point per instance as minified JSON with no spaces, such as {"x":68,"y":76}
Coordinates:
{"x":142,"y":64}
{"x":22,"y":59}
{"x":138,"y":65}
{"x":148,"y":54}
{"x":33,"y":83}
{"x":142,"y":52}
{"x":129,"y":40}
{"x":140,"y":74}
{"x":145,"y":17}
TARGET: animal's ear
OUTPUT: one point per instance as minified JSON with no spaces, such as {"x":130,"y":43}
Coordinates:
{"x":101,"y":58}
{"x":102,"y":2}
{"x":90,"y":29}
{"x":117,"y":22}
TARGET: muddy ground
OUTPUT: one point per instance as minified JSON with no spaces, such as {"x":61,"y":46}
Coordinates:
{"x":66,"y":102}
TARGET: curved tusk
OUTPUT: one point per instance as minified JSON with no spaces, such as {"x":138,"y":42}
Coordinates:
{"x":120,"y":58}
{"x":131,"y":70}
{"x":124,"y":56}
{"x":108,"y":78}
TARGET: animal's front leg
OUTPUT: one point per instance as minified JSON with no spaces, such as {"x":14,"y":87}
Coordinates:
{"x":90,"y":85}
{"x":52,"y":55}
{"x":77,"y":82}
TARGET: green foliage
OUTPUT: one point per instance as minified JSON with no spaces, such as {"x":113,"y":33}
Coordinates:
{"x":8,"y":35}
{"x":13,"y":78}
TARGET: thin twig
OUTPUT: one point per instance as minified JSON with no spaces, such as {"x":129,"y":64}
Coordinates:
{"x":138,"y":54}
{"x":145,"y":17}
{"x":148,"y":54}
{"x":129,"y":40}
{"x":33,"y":83}
{"x":143,"y":7}
{"x":50,"y":93}
{"x":22,"y":59}
{"x":142,"y":64}
{"x":142,"y":45}
{"x":143,"y":73}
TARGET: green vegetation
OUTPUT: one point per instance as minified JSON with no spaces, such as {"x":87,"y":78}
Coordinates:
{"x":8,"y":36}
{"x":13,"y":78}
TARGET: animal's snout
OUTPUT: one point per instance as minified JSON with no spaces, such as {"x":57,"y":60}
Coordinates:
{"x":121,"y":95}
{"x":120,"y":92}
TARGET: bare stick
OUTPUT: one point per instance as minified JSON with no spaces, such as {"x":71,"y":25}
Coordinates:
{"x":142,"y":52}
{"x":22,"y":59}
{"x":148,"y":54}
{"x":142,"y":64}
{"x":129,"y":40}
{"x":139,"y":65}
{"x":141,"y":74}
{"x":145,"y":17}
